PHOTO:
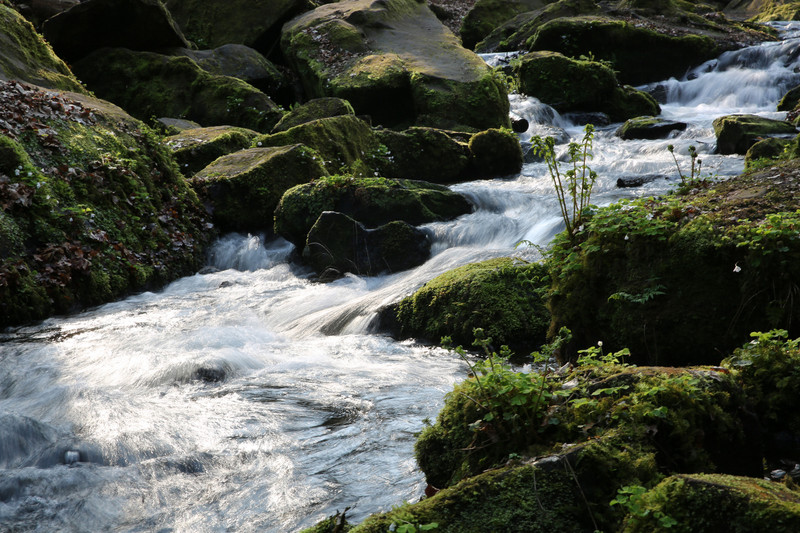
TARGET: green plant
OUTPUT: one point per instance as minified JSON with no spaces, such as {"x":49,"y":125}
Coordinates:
{"x":404,"y":522}
{"x":630,"y":497}
{"x":696,"y":166}
{"x":573,"y":187}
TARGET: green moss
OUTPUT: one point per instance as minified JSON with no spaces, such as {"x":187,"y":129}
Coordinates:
{"x":765,"y":152}
{"x":25,"y":56}
{"x":737,"y":133}
{"x":495,"y":153}
{"x":422,"y":153}
{"x":195,"y":148}
{"x":770,"y":11}
{"x":486,"y":15}
{"x":333,"y":524}
{"x":313,"y":110}
{"x":628,"y":102}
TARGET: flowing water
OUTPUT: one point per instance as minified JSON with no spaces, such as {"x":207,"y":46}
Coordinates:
{"x":252,"y":399}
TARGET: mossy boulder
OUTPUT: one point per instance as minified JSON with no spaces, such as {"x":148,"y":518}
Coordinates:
{"x":255,"y":23}
{"x":495,"y":153}
{"x":684,"y":278}
{"x":766,"y":151}
{"x":41,"y":10}
{"x":147,"y":84}
{"x":337,"y":244}
{"x":628,"y":47}
{"x":313,"y":110}
{"x":503,"y":296}
{"x":702,"y":503}
{"x":95,"y":24}
{"x":486,"y":15}
{"x":428,"y":154}
{"x":371,"y":201}
{"x":25,"y":56}
{"x":648,"y":127}
{"x":395,"y":62}
{"x":580,"y":85}
{"x":345,"y":142}
{"x":92,"y":210}
{"x":790,"y":100}
{"x":196,"y":148}
{"x":242,"y":189}
{"x":737,"y":133}
{"x":769,"y":11}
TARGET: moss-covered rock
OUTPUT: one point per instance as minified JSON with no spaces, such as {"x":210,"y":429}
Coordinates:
{"x":648,"y":127}
{"x":132,"y":24}
{"x":495,"y":153}
{"x":504,"y":297}
{"x":737,"y":133}
{"x":428,"y":154}
{"x":345,"y":142}
{"x":702,"y":503}
{"x":93,"y":209}
{"x":790,"y":100}
{"x":196,"y":148}
{"x":766,"y":151}
{"x":769,"y":11}
{"x":486,"y":15}
{"x":147,"y":84}
{"x":395,"y":53}
{"x":337,"y":244}
{"x":371,"y":201}
{"x":255,"y":23}
{"x":242,"y":189}
{"x":333,"y":524}
{"x":25,"y":56}
{"x":313,"y":110}
{"x":681,"y":279}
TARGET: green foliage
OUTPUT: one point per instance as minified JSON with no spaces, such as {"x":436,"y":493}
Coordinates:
{"x":696,"y":166}
{"x":573,"y":187}
{"x":404,"y":522}
{"x":630,"y":497}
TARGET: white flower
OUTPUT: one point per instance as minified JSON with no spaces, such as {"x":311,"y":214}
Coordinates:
{"x":737,"y":268}
{"x":600,"y":343}
{"x":258,"y":143}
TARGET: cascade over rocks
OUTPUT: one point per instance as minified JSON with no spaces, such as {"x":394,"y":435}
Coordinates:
{"x":148,"y":84}
{"x":394,"y":51}
{"x":25,"y":56}
{"x":95,"y":24}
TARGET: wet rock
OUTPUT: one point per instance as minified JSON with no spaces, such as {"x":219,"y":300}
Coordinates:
{"x":638,"y":180}
{"x":519,"y":125}
{"x":148,"y":84}
{"x":95,"y":24}
{"x":196,"y":148}
{"x":648,"y":127}
{"x":242,"y":189}
{"x":337,"y":244}
{"x":737,"y":133}
{"x":210,"y":374}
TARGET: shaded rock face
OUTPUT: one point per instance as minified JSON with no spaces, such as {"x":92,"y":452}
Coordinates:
{"x":195,"y":148}
{"x":95,"y":24}
{"x":147,"y":84}
{"x":37,"y":11}
{"x":737,"y":133}
{"x":486,"y":15}
{"x":393,"y":60}
{"x":313,"y":110}
{"x":337,"y":244}
{"x":25,"y":56}
{"x":242,"y":189}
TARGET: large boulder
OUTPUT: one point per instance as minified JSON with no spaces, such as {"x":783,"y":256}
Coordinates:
{"x":580,"y":85}
{"x":337,"y":244}
{"x":93,"y":205}
{"x":502,"y":296}
{"x":25,"y":56}
{"x":196,"y":148}
{"x":95,"y":24}
{"x":393,"y":60}
{"x":486,"y":15}
{"x":372,"y":201}
{"x":242,"y":189}
{"x":147,"y":85}
{"x":255,"y":23}
{"x":313,"y":110}
{"x":648,"y":127}
{"x":737,"y":133}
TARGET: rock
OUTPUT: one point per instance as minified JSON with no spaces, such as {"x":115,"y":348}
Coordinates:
{"x":486,"y":15}
{"x":498,"y":295}
{"x":579,"y":85}
{"x":737,"y":133}
{"x":242,"y":189}
{"x":772,"y":11}
{"x":770,"y":149}
{"x":312,"y":110}
{"x":255,"y":23}
{"x":394,"y":61}
{"x":648,"y":127}
{"x":638,"y":180}
{"x":243,"y":62}
{"x":371,"y":201}
{"x":37,"y":11}
{"x":92,"y":210}
{"x":519,"y":125}
{"x":338,"y":244}
{"x":95,"y":24}
{"x":790,"y":100}
{"x":196,"y":148}
{"x":147,"y":84}
{"x":428,"y":154}
{"x":704,"y":503}
{"x":343,"y":141}
{"x":495,"y":153}
{"x":26,"y":57}
{"x":173,"y":126}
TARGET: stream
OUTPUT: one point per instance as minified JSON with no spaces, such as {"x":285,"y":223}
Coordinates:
{"x":252,"y":399}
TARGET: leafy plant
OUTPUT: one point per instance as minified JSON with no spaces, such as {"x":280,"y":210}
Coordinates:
{"x":631,"y":498}
{"x":696,"y":166}
{"x":574,"y":186}
{"x":404,"y":522}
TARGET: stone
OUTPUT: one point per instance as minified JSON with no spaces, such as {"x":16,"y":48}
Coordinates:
{"x":242,"y":189}
{"x":95,"y":24}
{"x":648,"y":127}
{"x":312,"y":110}
{"x":196,"y":148}
{"x":638,"y":180}
{"x":486,"y":15}
{"x":37,"y":11}
{"x":737,"y":133}
{"x":427,"y":154}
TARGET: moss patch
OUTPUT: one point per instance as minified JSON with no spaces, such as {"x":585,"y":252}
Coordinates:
{"x":737,"y":133}
{"x":195,"y":148}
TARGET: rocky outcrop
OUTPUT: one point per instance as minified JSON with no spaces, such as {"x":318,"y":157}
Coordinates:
{"x":242,"y":189}
{"x":93,"y":206}
{"x":313,"y":110}
{"x":394,"y":61}
{"x":95,"y":24}
{"x":648,"y":128}
{"x":337,"y":244}
{"x":486,"y":15}
{"x":737,"y":133}
{"x":147,"y":84}
{"x":37,"y":11}
{"x":25,"y":56}
{"x":196,"y":148}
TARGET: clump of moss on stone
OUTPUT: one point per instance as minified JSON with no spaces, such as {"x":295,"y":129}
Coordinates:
{"x":495,"y":152}
{"x":195,"y":148}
